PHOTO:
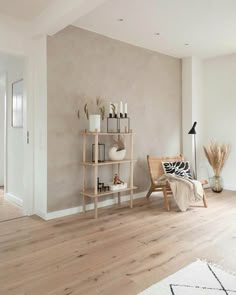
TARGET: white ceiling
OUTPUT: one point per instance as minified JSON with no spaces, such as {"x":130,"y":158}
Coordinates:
{"x":37,"y":17}
{"x":23,"y":9}
{"x":208,"y":26}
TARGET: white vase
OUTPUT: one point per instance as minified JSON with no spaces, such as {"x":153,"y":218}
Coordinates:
{"x":115,"y":155}
{"x":94,"y":123}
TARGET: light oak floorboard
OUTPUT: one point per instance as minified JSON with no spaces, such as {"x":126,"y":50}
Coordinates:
{"x":123,"y":252}
{"x":8,"y":210}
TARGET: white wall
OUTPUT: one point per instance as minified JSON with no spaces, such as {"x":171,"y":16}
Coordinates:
{"x":192,"y":97}
{"x":187,"y":114}
{"x":15,"y":145}
{"x":13,"y":36}
{"x":2,"y":104}
{"x":209,"y":97}
{"x":14,"y":67}
{"x":219,"y":109}
{"x":38,"y":62}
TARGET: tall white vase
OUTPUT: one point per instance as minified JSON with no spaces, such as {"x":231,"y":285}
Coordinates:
{"x":94,"y":123}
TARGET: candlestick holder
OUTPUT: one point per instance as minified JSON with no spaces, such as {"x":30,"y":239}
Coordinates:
{"x":101,"y":187}
{"x":117,"y":125}
{"x":101,"y":152}
{"x":124,"y":124}
{"x":112,"y":125}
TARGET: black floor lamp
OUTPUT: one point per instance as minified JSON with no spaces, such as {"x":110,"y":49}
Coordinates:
{"x":193,"y":132}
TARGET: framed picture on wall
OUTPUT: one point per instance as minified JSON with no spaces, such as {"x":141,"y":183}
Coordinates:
{"x":17,"y":103}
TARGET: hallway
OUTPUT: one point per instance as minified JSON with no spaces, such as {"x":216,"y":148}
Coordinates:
{"x":8,"y":210}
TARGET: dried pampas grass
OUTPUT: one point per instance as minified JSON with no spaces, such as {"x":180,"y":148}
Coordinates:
{"x":120,"y":143}
{"x":216,"y":155}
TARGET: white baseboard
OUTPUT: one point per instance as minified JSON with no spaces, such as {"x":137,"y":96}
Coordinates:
{"x":11,"y":198}
{"x":79,"y":209}
{"x":41,"y":214}
{"x":109,"y":202}
{"x":230,"y":187}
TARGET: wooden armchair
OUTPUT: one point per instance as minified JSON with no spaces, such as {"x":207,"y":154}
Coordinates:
{"x":156,"y":171}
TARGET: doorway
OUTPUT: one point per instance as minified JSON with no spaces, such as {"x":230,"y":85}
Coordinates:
{"x":8,"y":210}
{"x":12,"y":105}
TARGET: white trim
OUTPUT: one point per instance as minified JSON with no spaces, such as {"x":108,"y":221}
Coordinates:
{"x":230,"y":187}
{"x":28,"y":151}
{"x":41,"y":214}
{"x":79,"y":209}
{"x":62,"y":213}
{"x":109,"y":202}
{"x":11,"y":198}
{"x":5,"y":132}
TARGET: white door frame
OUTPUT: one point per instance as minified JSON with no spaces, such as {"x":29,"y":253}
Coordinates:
{"x":5,"y":135}
{"x":3,"y":73}
{"x":28,"y":175}
{"x":28,"y":133}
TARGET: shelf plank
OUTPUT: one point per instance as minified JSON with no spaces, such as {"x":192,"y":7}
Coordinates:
{"x":107,"y":163}
{"x":106,"y":133}
{"x":90,"y":193}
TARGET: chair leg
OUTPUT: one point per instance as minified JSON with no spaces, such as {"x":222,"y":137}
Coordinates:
{"x":149,"y":192}
{"x":204,"y":200}
{"x":167,"y":205}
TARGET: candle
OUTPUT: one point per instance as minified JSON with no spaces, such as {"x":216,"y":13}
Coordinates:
{"x":116,"y":108}
{"x":110,"y":110}
{"x":94,"y":123}
{"x":126,"y":108}
{"x":121,"y":107}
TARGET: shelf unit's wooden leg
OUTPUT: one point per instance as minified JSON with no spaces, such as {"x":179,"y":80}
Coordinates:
{"x":95,"y":207}
{"x":131,"y":169}
{"x":119,"y":198}
{"x":95,"y":177}
{"x":131,"y":198}
{"x":84,"y":204}
{"x":119,"y":175}
{"x":204,"y":199}
{"x":84,"y":171}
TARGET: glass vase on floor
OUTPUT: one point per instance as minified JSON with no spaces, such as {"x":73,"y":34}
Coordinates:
{"x":216,"y":183}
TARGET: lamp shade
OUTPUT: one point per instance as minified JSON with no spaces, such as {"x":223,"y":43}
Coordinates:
{"x":192,"y":130}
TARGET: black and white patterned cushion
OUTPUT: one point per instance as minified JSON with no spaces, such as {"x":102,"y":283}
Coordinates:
{"x":180,"y":168}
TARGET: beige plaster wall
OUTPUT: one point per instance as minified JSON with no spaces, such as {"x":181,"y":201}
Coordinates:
{"x":85,"y":64}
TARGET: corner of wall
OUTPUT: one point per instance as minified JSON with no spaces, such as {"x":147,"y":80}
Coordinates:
{"x":39,"y":64}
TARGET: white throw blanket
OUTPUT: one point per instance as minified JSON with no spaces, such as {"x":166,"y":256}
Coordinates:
{"x":185,"y":191}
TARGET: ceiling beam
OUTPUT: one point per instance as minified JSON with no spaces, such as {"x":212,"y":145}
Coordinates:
{"x":61,"y":13}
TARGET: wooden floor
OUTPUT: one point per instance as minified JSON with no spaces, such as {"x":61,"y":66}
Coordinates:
{"x":123,"y":252}
{"x":8,"y":210}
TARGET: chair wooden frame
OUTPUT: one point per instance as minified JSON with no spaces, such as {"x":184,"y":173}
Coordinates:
{"x":156,"y":171}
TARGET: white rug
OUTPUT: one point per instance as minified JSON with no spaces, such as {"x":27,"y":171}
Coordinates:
{"x":198,"y":278}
